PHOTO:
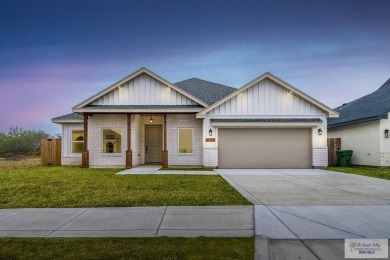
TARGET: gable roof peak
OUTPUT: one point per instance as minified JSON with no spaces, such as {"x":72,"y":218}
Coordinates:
{"x":132,"y":76}
{"x":330,"y":112}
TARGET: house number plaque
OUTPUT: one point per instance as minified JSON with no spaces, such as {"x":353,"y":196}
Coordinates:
{"x":210,"y":140}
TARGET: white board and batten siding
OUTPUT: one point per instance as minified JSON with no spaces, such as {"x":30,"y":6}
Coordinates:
{"x":67,"y":139}
{"x":266,"y":98}
{"x":144,"y":90}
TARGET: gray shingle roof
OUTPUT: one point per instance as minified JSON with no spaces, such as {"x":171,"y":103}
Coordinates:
{"x":370,"y":107}
{"x":271,"y":120}
{"x":208,"y":92}
{"x":71,"y":116}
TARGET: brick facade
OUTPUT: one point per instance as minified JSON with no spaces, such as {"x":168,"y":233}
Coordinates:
{"x":70,"y":161}
{"x":210,"y":157}
{"x":96,"y":124}
{"x":320,"y":157}
{"x":174,"y":122}
{"x":384,"y":159}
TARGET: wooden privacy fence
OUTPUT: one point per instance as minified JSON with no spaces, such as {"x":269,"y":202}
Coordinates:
{"x":51,"y":152}
{"x":334,"y":144}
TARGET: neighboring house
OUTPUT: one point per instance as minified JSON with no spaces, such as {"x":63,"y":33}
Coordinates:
{"x":144,"y":119}
{"x":362,"y":127}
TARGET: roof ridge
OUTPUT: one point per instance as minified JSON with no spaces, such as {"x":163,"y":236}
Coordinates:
{"x":205,"y":81}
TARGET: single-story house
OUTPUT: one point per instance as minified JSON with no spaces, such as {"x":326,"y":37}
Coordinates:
{"x":145,"y":119}
{"x":363,"y":127}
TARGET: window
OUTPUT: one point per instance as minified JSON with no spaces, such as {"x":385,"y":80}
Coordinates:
{"x":185,"y":140}
{"x":112,"y":140}
{"x":77,"y":141}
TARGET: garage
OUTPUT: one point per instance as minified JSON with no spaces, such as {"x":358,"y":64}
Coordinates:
{"x":264,"y":148}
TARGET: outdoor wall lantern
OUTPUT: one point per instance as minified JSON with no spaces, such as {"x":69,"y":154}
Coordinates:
{"x":151,"y":119}
{"x":386,"y":133}
{"x":210,"y":132}
{"x":320,"y":131}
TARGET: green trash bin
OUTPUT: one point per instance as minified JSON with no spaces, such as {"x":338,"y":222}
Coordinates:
{"x":344,"y":158}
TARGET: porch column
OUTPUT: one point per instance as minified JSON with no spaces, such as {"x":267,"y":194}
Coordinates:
{"x":129,"y":153}
{"x":85,"y":153}
{"x":165,"y":152}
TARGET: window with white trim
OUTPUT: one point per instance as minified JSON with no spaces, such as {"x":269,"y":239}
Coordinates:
{"x":77,"y":141}
{"x":185,"y":140}
{"x":112,"y":141}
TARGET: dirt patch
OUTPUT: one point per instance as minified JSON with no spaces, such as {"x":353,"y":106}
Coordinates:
{"x":19,"y":161}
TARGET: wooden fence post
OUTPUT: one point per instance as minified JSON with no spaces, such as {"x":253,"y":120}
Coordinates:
{"x":334,"y":144}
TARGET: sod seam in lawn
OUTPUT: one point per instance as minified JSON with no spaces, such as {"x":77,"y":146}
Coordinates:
{"x":127,"y":248}
{"x":73,"y":187}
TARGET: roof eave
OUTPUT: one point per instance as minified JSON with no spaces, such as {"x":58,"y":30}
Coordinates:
{"x":358,"y":121}
{"x":137,"y":110}
{"x":266,"y":124}
{"x":66,"y":121}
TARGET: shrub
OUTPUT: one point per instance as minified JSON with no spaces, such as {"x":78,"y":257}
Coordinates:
{"x":21,"y":141}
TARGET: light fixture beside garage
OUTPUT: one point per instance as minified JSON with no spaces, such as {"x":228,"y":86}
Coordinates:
{"x":320,"y":131}
{"x":151,"y":119}
{"x":386,"y":133}
{"x":210,"y":132}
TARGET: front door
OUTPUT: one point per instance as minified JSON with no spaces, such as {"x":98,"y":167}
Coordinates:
{"x":153,"y":143}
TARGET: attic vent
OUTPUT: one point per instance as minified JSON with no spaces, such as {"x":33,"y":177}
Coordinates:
{"x":344,"y":104}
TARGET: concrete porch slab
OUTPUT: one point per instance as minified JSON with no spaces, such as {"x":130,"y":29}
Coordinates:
{"x":143,"y":169}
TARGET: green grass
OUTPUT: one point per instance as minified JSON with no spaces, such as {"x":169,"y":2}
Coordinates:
{"x":126,"y":248}
{"x":364,"y":170}
{"x":69,"y":187}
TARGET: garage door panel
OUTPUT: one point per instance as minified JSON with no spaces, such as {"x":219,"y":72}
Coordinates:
{"x":264,"y":148}
{"x":266,"y":164}
{"x":270,"y":133}
{"x":252,"y":153}
{"x":263,"y":143}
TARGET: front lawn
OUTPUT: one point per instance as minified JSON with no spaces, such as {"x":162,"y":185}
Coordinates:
{"x":364,"y":170}
{"x":127,"y":248}
{"x":72,"y":187}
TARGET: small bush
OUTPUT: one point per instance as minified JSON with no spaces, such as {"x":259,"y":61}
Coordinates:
{"x":21,"y":141}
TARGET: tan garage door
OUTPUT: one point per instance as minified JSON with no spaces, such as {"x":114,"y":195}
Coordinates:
{"x":264,"y":148}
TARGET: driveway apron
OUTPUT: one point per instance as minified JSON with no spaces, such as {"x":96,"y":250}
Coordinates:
{"x":312,"y":207}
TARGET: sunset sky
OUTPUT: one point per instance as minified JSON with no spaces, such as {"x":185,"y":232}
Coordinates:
{"x":55,"y":54}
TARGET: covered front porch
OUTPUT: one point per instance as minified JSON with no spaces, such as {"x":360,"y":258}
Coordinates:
{"x":133,"y":139}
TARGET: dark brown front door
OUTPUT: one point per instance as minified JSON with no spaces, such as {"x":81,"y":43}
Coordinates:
{"x":153,"y":143}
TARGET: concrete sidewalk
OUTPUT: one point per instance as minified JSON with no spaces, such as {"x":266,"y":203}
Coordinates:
{"x":229,"y":221}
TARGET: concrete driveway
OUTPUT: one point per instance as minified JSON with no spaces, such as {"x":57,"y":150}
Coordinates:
{"x":320,"y":207}
{"x":307,"y":187}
